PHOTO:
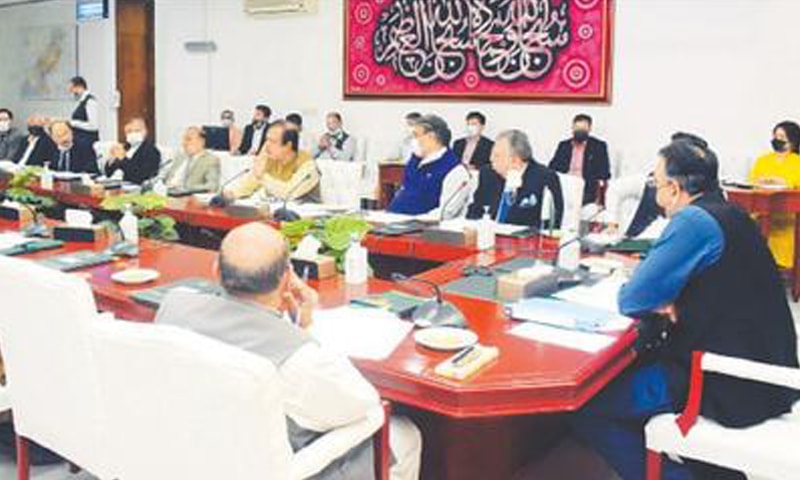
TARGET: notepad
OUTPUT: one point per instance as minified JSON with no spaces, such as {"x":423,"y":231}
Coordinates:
{"x":602,"y":295}
{"x":359,"y":332}
{"x":77,"y":260}
{"x":589,"y":342}
{"x":567,"y":315}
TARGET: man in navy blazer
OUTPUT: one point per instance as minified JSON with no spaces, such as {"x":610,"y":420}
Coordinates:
{"x":255,"y":134}
{"x":584,"y":156}
{"x":72,"y":156}
{"x":512,"y":187}
{"x":475,"y":149}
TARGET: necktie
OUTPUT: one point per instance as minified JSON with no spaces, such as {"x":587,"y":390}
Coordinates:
{"x":505,"y":206}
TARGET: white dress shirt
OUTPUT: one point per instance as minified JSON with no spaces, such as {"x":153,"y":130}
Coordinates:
{"x":92,"y":123}
{"x":28,"y":151}
{"x":456,"y":189}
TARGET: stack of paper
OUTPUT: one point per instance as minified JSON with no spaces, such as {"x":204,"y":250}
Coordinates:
{"x":368,"y":333}
{"x":584,"y":341}
{"x":382,"y":216}
{"x":602,"y":295}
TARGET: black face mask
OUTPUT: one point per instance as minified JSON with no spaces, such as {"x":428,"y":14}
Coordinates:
{"x":580,"y":136}
{"x":778,"y":145}
{"x":36,"y":131}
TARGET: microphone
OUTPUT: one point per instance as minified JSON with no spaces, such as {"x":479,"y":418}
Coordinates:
{"x":283,"y":214}
{"x":36,"y":229}
{"x":219,"y":199}
{"x":580,"y":237}
{"x":148,"y":184}
{"x":121,"y":247}
{"x":435,"y":312}
{"x":464,"y":184}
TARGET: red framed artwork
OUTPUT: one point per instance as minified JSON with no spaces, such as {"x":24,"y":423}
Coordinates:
{"x":554,"y":50}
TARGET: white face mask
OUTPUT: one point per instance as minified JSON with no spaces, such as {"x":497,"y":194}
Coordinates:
{"x":227,"y":122}
{"x":135,"y":138}
{"x":473,"y":130}
{"x":5,"y":126}
{"x":416,"y":147}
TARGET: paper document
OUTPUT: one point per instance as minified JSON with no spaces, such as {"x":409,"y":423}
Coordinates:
{"x":584,"y":341}
{"x":382,"y":216}
{"x":458,"y":225}
{"x":567,"y":315}
{"x":368,"y":333}
{"x":11,"y":240}
{"x":602,"y":295}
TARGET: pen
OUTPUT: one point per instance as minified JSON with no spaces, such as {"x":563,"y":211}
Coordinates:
{"x":461,"y":355}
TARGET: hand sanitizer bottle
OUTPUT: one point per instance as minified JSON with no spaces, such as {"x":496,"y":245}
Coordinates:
{"x":129,"y":225}
{"x":355,"y":263}
{"x":46,"y":179}
{"x":486,"y":233}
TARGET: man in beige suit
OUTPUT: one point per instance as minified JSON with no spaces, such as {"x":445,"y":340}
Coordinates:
{"x":195,"y":169}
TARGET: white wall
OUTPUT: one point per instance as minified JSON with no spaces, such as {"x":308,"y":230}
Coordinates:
{"x":724,"y":68}
{"x":96,"y":59}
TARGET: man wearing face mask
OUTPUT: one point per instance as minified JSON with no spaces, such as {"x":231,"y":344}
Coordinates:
{"x":72,"y":156}
{"x":434,"y":178}
{"x":713,"y":277}
{"x":228,"y":120}
{"x":336,"y":144}
{"x":255,"y":134}
{"x":512,"y":186}
{"x":138,"y":159}
{"x":11,"y":139}
{"x":38,"y":147}
{"x":85,"y":119}
{"x":584,"y":156}
{"x":405,"y":147}
{"x":474,"y":150}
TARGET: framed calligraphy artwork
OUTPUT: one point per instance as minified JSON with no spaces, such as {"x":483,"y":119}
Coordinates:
{"x":492,"y":49}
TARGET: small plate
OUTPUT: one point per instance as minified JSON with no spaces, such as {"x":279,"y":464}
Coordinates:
{"x":135,"y":276}
{"x":445,"y":338}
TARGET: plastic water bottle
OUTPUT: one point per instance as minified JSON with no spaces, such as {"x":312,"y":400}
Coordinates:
{"x":486,"y":231}
{"x":46,"y":179}
{"x":355,"y":263}
{"x":129,"y":225}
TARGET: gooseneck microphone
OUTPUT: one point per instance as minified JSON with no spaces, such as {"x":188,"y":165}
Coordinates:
{"x":283,"y":214}
{"x":434,"y":312}
{"x":219,"y":199}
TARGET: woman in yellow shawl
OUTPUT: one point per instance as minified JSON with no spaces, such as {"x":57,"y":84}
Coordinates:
{"x":780,"y":168}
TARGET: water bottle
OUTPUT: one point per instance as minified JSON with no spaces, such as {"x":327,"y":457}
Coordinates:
{"x":129,"y":226}
{"x":486,"y":231}
{"x":46,"y":179}
{"x":356,"y":265}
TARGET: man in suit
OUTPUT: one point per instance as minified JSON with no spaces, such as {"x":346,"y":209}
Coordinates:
{"x":512,"y":187}
{"x":323,"y":390}
{"x":72,"y":156}
{"x":138,"y":159}
{"x":194,"y":170}
{"x":85,"y":119}
{"x":255,"y":134}
{"x":335,"y":144}
{"x":474,"y":150}
{"x":11,"y":139}
{"x":584,"y":156}
{"x":38,"y":147}
{"x":714,"y":283}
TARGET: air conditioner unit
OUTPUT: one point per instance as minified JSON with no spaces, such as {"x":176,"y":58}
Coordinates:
{"x":256,"y":7}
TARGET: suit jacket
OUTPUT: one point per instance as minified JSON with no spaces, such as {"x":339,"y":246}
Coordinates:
{"x":482,"y":154}
{"x":44,"y":151}
{"x":82,"y":159}
{"x":10,"y":143}
{"x":142,"y":166}
{"x":203,"y":174}
{"x":247,"y":139}
{"x":527,"y":201}
{"x":596,"y":166}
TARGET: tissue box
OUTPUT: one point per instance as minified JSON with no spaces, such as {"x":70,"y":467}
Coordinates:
{"x":515,"y":286}
{"x":468,"y":237}
{"x":320,"y":268}
{"x":94,"y":189}
{"x":16,"y":213}
{"x":69,"y":233}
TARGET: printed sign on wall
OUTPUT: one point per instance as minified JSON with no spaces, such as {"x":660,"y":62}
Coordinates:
{"x":514,"y":49}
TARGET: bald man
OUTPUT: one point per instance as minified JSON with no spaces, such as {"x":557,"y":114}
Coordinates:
{"x":323,"y":391}
{"x":72,"y":156}
{"x":137,"y":159}
{"x":194,"y":170}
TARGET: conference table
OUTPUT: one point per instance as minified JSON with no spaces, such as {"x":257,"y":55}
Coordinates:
{"x":764,"y":202}
{"x":487,"y":426}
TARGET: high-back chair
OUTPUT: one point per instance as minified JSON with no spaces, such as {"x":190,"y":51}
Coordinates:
{"x":768,"y":449}
{"x":182,"y":405}
{"x":572,"y":191}
{"x":51,"y":381}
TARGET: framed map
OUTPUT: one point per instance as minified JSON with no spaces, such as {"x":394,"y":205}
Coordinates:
{"x":49,"y":60}
{"x":557,"y":50}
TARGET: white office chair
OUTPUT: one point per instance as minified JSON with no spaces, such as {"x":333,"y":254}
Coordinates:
{"x":768,"y":449}
{"x":622,"y":199}
{"x":51,"y":381}
{"x":182,"y":405}
{"x":340,"y":181}
{"x":572,"y":191}
{"x":5,"y":400}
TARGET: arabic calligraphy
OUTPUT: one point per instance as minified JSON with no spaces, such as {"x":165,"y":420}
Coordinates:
{"x":431,"y":40}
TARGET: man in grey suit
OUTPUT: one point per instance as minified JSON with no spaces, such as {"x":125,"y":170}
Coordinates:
{"x":323,"y":390}
{"x":194,"y":170}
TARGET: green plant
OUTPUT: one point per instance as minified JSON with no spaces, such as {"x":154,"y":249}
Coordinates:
{"x":145,"y":206}
{"x":334,"y":233}
{"x":19,"y":189}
